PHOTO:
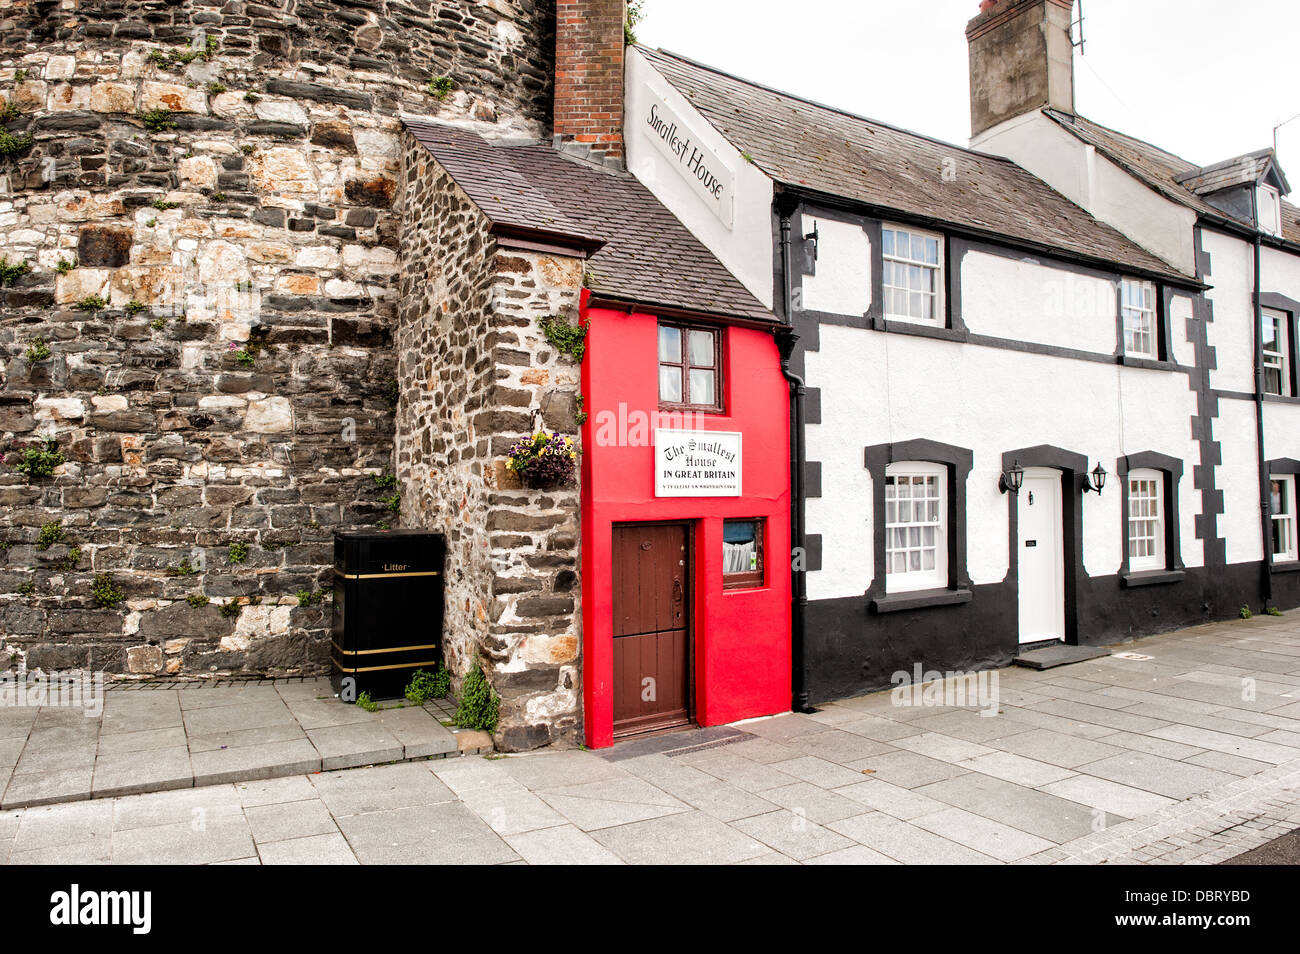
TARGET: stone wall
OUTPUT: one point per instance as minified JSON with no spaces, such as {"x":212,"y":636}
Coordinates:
{"x":220,"y":370}
{"x":468,"y":341}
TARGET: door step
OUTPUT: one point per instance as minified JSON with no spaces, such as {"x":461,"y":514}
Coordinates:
{"x":1058,"y":655}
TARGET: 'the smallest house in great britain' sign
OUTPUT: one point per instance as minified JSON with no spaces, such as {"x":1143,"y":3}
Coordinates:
{"x":697,"y":463}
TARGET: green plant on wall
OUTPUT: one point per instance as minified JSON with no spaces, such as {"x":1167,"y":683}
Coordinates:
{"x":157,"y":120}
{"x":105,"y":592}
{"x":479,"y":706}
{"x":564,"y":337}
{"x":39,"y":462}
{"x":51,"y":533}
{"x":440,"y":87}
{"x":38,"y":350}
{"x":11,"y":273}
{"x":11,"y":145}
{"x":237,"y":553}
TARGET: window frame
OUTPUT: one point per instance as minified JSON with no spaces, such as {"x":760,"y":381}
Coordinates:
{"x":1267,"y":193}
{"x":908,"y":581}
{"x":1155,"y":480}
{"x":939,"y":314}
{"x":685,"y":366}
{"x":747,"y":579}
{"x":957,"y":463}
{"x":1282,"y":354}
{"x":1289,"y":516}
{"x":1169,"y":472}
{"x":1126,"y":282}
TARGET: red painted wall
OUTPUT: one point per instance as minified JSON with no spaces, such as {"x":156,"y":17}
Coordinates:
{"x":741,"y":637}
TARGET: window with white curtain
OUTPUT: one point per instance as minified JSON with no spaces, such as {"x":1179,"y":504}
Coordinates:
{"x":912,"y":279}
{"x":742,"y":553}
{"x":916,"y":532}
{"x":1138,"y":310}
{"x":1275,"y":351}
{"x":1146,"y":520}
{"x":1282,"y":510}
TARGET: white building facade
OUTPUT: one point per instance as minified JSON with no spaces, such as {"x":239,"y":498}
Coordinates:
{"x":1031,"y":413}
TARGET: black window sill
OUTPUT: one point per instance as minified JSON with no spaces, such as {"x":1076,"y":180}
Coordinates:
{"x":919,"y":599}
{"x":1291,"y":566}
{"x":894,"y":326}
{"x":1151,"y":577}
{"x":1281,"y":399}
{"x":1129,"y":361}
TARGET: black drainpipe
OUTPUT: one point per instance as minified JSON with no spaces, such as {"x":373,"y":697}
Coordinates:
{"x":1266,"y":584}
{"x":798,"y":573}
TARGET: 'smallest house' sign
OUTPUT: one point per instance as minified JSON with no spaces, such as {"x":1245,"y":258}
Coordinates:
{"x":697,"y":463}
{"x":699,"y":165}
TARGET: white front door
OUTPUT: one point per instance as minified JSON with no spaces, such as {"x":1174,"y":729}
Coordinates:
{"x":1041,"y":556}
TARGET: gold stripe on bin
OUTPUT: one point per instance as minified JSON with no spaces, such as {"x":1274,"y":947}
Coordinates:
{"x":387,"y":576}
{"x":347,"y":669}
{"x":387,"y":649}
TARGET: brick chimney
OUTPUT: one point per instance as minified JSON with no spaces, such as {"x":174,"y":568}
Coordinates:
{"x":1021,"y":59}
{"x":589,"y":77}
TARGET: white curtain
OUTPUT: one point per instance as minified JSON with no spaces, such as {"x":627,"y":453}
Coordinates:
{"x":738,"y":557}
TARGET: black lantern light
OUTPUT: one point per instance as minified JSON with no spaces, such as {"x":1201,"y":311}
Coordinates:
{"x":1012,"y":478}
{"x":810,"y":242}
{"x":1096,"y":480}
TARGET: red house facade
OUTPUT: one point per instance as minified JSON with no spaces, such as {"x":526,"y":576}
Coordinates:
{"x":685,"y":597}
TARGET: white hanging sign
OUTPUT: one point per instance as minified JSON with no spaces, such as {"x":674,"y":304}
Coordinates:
{"x":697,"y":463}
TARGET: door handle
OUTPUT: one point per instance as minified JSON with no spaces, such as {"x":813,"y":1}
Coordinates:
{"x":677,"y":591}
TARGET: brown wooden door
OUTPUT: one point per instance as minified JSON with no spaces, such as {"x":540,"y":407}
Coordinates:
{"x":651,"y":627}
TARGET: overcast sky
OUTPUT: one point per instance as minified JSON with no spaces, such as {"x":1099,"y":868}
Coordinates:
{"x":1206,"y":79}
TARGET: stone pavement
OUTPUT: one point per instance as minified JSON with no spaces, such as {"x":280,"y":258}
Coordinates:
{"x":149,"y":740}
{"x":1181,"y":748}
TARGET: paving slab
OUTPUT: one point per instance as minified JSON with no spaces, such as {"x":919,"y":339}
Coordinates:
{"x":268,"y":760}
{"x":905,"y":842}
{"x":349,"y":746}
{"x":326,"y":849}
{"x":1030,"y":810}
{"x":1152,"y":773}
{"x":149,"y":770}
{"x":982,"y":834}
{"x":286,"y":820}
{"x":440,"y":834}
{"x":561,"y":845}
{"x":687,"y":838}
{"x":382,"y":788}
{"x":1107,"y":796}
{"x":792,"y":834}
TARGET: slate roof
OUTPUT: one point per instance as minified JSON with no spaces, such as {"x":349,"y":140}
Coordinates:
{"x":1239,"y":170}
{"x":639,"y":251}
{"x":1170,"y":175}
{"x":805,"y":144}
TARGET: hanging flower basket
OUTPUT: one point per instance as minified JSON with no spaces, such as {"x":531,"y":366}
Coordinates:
{"x":544,"y":461}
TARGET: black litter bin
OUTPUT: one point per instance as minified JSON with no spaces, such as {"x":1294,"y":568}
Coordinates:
{"x":388,"y":597}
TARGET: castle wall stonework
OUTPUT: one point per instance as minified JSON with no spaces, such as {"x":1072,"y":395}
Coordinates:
{"x":482,"y":375}
{"x":221,"y":364}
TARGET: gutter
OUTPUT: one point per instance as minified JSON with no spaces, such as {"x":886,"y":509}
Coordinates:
{"x":798,"y":567}
{"x":1261,"y":458}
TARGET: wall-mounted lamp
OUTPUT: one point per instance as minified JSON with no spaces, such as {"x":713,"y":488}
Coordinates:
{"x":810,"y":242}
{"x":1096,"y":480}
{"x":1011,"y":479}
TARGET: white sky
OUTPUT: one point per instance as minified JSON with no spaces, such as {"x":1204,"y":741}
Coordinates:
{"x":1206,"y":79}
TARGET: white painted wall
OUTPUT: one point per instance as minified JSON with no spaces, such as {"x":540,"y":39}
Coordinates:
{"x":842,"y":283}
{"x":1238,"y":478}
{"x":1026,"y":301}
{"x":745,"y":246}
{"x":1074,"y":169}
{"x":1232,"y":332}
{"x":883,"y":388}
